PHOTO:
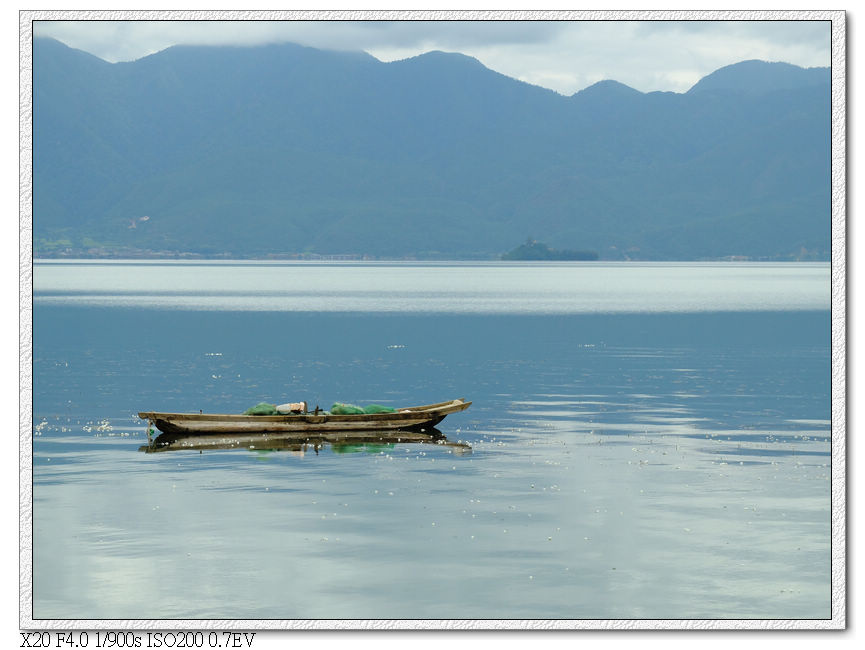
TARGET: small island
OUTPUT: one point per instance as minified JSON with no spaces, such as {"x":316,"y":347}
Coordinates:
{"x":533,"y":250}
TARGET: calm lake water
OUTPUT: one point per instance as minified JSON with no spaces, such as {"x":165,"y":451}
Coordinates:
{"x":647,"y":441}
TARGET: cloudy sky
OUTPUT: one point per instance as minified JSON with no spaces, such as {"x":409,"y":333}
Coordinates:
{"x":565,"y":55}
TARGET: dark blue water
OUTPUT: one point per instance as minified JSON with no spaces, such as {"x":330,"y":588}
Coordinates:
{"x":131,"y":360}
{"x":651,"y":465}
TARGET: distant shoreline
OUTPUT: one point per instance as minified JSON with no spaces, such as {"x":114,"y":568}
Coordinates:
{"x":195,"y":257}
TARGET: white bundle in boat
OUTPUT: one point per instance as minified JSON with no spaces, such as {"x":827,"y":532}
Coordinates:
{"x":292,"y":407}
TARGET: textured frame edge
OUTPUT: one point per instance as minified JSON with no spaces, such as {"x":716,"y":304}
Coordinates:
{"x":838,"y":343}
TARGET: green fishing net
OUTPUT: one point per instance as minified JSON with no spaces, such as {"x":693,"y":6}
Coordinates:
{"x":350,"y":409}
{"x":378,"y":408}
{"x":346,"y":409}
{"x":262,"y":408}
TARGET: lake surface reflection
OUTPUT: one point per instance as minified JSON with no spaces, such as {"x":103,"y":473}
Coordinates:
{"x":638,"y":447}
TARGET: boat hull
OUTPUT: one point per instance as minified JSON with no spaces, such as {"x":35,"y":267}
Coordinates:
{"x":407,"y":419}
{"x":299,"y":442}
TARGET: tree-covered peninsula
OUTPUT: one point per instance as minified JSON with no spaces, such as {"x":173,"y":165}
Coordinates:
{"x":533,"y":250}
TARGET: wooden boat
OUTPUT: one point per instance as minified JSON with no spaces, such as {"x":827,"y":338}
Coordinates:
{"x":340,"y":441}
{"x":412,"y":418}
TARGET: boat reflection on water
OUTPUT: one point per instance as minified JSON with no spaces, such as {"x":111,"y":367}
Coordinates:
{"x":339,"y":441}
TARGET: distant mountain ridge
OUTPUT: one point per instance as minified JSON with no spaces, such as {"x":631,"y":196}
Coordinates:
{"x":761,"y":77}
{"x":288,"y":150}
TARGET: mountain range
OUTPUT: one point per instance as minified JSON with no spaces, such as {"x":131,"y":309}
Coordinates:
{"x":284,"y":150}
